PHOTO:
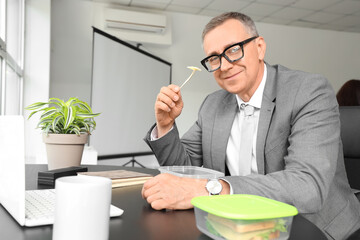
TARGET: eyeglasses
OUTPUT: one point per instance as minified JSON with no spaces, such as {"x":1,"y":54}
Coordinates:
{"x":231,"y":54}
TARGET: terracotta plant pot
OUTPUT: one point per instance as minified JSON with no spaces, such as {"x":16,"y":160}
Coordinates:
{"x":64,"y":150}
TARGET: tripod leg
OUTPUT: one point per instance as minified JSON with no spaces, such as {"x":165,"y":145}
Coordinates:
{"x":124,"y":165}
{"x":139,"y":164}
{"x":133,"y":162}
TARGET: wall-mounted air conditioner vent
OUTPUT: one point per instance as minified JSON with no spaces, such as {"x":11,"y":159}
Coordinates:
{"x":136,"y":21}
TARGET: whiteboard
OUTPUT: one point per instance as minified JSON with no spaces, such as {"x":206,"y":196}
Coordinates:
{"x":125,"y":83}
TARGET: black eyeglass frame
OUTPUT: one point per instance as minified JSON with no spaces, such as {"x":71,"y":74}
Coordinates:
{"x":242,"y":43}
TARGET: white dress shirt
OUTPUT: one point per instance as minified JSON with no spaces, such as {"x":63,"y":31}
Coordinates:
{"x":233,"y":161}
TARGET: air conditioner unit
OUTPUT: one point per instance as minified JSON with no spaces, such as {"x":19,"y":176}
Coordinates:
{"x":135,"y":21}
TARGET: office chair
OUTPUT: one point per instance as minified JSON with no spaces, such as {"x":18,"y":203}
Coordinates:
{"x":349,"y":93}
{"x":350,"y":136}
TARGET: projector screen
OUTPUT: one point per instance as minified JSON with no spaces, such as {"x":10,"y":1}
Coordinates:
{"x":125,"y":83}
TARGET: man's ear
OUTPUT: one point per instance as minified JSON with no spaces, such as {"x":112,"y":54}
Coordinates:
{"x":261,"y":47}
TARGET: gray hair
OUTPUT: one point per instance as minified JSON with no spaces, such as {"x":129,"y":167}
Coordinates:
{"x":244,"y":19}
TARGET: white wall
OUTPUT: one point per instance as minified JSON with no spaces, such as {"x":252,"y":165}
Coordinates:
{"x":71,"y":49}
{"x":333,"y":54}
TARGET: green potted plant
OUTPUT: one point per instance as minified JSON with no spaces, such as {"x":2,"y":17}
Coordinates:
{"x":66,"y":127}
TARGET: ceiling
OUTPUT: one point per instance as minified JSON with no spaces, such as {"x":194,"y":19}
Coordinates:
{"x":338,"y":15}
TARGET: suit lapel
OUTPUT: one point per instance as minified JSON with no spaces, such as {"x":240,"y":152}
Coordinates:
{"x":266,"y":112}
{"x":221,"y":131}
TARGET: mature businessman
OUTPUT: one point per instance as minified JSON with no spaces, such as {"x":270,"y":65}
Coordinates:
{"x":296,"y":153}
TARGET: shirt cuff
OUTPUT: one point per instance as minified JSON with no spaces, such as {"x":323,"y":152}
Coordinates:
{"x":231,"y":189}
{"x":154,"y":133}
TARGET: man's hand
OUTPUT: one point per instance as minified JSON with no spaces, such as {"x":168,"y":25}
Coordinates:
{"x":168,"y":107}
{"x":166,"y":191}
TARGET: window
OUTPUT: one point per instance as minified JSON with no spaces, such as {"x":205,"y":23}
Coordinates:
{"x":11,"y":56}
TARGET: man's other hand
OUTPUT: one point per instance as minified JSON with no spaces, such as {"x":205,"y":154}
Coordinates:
{"x":168,"y":107}
{"x":166,"y":191}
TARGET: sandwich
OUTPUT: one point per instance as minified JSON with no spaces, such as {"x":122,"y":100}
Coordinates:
{"x":245,"y":229}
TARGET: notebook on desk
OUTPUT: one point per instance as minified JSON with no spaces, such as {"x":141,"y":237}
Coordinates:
{"x":28,"y":208}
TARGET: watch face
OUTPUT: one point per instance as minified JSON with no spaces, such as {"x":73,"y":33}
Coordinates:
{"x":214,"y":187}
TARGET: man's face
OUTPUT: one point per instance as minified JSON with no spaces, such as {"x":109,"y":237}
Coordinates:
{"x":243,"y":76}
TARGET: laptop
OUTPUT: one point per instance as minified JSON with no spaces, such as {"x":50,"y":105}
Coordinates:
{"x":28,"y":208}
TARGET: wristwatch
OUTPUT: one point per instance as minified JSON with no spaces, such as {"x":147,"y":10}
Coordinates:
{"x":213,"y":186}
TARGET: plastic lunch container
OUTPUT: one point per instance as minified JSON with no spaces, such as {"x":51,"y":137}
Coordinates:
{"x":191,"y":172}
{"x":243,"y":217}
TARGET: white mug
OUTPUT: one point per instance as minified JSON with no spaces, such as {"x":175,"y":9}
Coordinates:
{"x":82,"y":208}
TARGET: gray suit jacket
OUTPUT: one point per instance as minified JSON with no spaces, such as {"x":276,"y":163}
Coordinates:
{"x":299,"y":151}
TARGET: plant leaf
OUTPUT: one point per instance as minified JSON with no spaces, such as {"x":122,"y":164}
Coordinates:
{"x":57,"y":102}
{"x":77,"y":132}
{"x":86,"y":127}
{"x":71,"y":101}
{"x":56,"y":121}
{"x":46,"y":130}
{"x":53,"y":100}
{"x":32,"y":113}
{"x":75,"y":129}
{"x":91,"y":123}
{"x":87,"y":115}
{"x":44,"y":122}
{"x":36,"y":105}
{"x":58,"y":130}
{"x":84,"y":106}
{"x":68,"y":116}
{"x":48,"y":112}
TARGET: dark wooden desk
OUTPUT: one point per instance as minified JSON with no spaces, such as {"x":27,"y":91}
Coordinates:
{"x":139,"y":220}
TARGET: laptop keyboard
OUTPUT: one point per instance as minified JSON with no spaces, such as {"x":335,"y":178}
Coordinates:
{"x":40,"y":204}
{"x":40,"y":207}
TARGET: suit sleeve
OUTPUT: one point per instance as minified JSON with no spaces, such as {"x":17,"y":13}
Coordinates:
{"x":311,"y":153}
{"x":170,"y":150}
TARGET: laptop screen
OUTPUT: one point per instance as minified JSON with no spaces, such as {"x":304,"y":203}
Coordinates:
{"x":12,"y":166}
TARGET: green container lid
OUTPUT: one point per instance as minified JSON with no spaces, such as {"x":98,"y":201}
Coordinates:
{"x":243,"y":206}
